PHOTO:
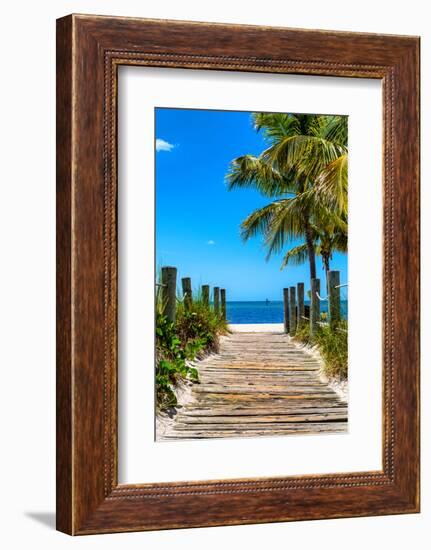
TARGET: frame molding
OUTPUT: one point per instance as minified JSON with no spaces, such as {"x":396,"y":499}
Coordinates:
{"x":89,"y":51}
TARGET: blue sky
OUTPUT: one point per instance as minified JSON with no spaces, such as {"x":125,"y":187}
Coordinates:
{"x":198,"y":220}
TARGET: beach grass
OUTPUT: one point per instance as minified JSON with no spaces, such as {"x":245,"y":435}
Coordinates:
{"x":332,"y":344}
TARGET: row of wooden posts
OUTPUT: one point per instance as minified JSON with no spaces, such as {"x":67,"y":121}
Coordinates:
{"x":169,"y":294}
{"x":296,"y":313}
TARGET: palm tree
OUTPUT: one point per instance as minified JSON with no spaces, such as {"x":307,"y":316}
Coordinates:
{"x":288,"y":217}
{"x":301,"y":148}
{"x":330,"y":236}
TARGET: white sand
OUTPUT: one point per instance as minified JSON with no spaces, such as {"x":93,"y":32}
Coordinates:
{"x":262,"y":327}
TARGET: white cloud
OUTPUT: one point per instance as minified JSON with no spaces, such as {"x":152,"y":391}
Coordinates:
{"x":162,"y":145}
{"x":210,"y":242}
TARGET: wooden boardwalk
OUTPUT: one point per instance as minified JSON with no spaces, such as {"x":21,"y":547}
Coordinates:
{"x":260,"y":384}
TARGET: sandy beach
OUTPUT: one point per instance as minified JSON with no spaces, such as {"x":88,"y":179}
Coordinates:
{"x":258,"y":327}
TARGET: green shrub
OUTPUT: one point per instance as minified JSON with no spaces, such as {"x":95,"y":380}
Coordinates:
{"x":195,"y":333}
{"x":199,"y":323}
{"x":171,"y":361}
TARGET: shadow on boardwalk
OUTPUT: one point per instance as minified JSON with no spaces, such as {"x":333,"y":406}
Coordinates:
{"x":260,"y":384}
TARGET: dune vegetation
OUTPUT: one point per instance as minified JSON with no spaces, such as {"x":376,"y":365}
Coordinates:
{"x":194,"y":334}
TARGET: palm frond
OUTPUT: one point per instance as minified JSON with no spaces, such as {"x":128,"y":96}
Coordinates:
{"x":335,"y":129}
{"x":276,"y":126}
{"x":287,"y":222}
{"x":340,"y":242}
{"x":250,"y":171}
{"x":258,"y":221}
{"x":307,"y":155}
{"x":296,"y":256}
{"x":331,"y":185}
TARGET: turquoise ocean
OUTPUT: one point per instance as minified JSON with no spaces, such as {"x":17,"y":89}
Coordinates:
{"x":266,"y":312}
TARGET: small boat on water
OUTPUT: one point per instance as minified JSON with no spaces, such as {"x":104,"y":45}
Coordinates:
{"x":267,"y":302}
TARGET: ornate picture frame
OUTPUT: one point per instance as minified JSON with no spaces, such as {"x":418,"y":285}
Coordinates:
{"x":89,"y":51}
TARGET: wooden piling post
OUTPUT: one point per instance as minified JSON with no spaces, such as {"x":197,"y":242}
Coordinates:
{"x":301,"y":308}
{"x":292,"y":310}
{"x":169,"y":292}
{"x":217,"y":299}
{"x":223,"y":303}
{"x":334,"y":298}
{"x":315,"y":306}
{"x":286,"y":309}
{"x":206,"y":295}
{"x":186,"y":283}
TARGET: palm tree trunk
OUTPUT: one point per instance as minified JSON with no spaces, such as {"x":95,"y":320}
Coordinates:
{"x":311,"y":251}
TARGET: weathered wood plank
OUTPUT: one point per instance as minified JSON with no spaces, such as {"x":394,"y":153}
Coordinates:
{"x":260,"y":384}
{"x":262,"y":419}
{"x":256,"y":411}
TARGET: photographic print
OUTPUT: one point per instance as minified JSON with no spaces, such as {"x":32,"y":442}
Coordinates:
{"x":251,"y":323}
